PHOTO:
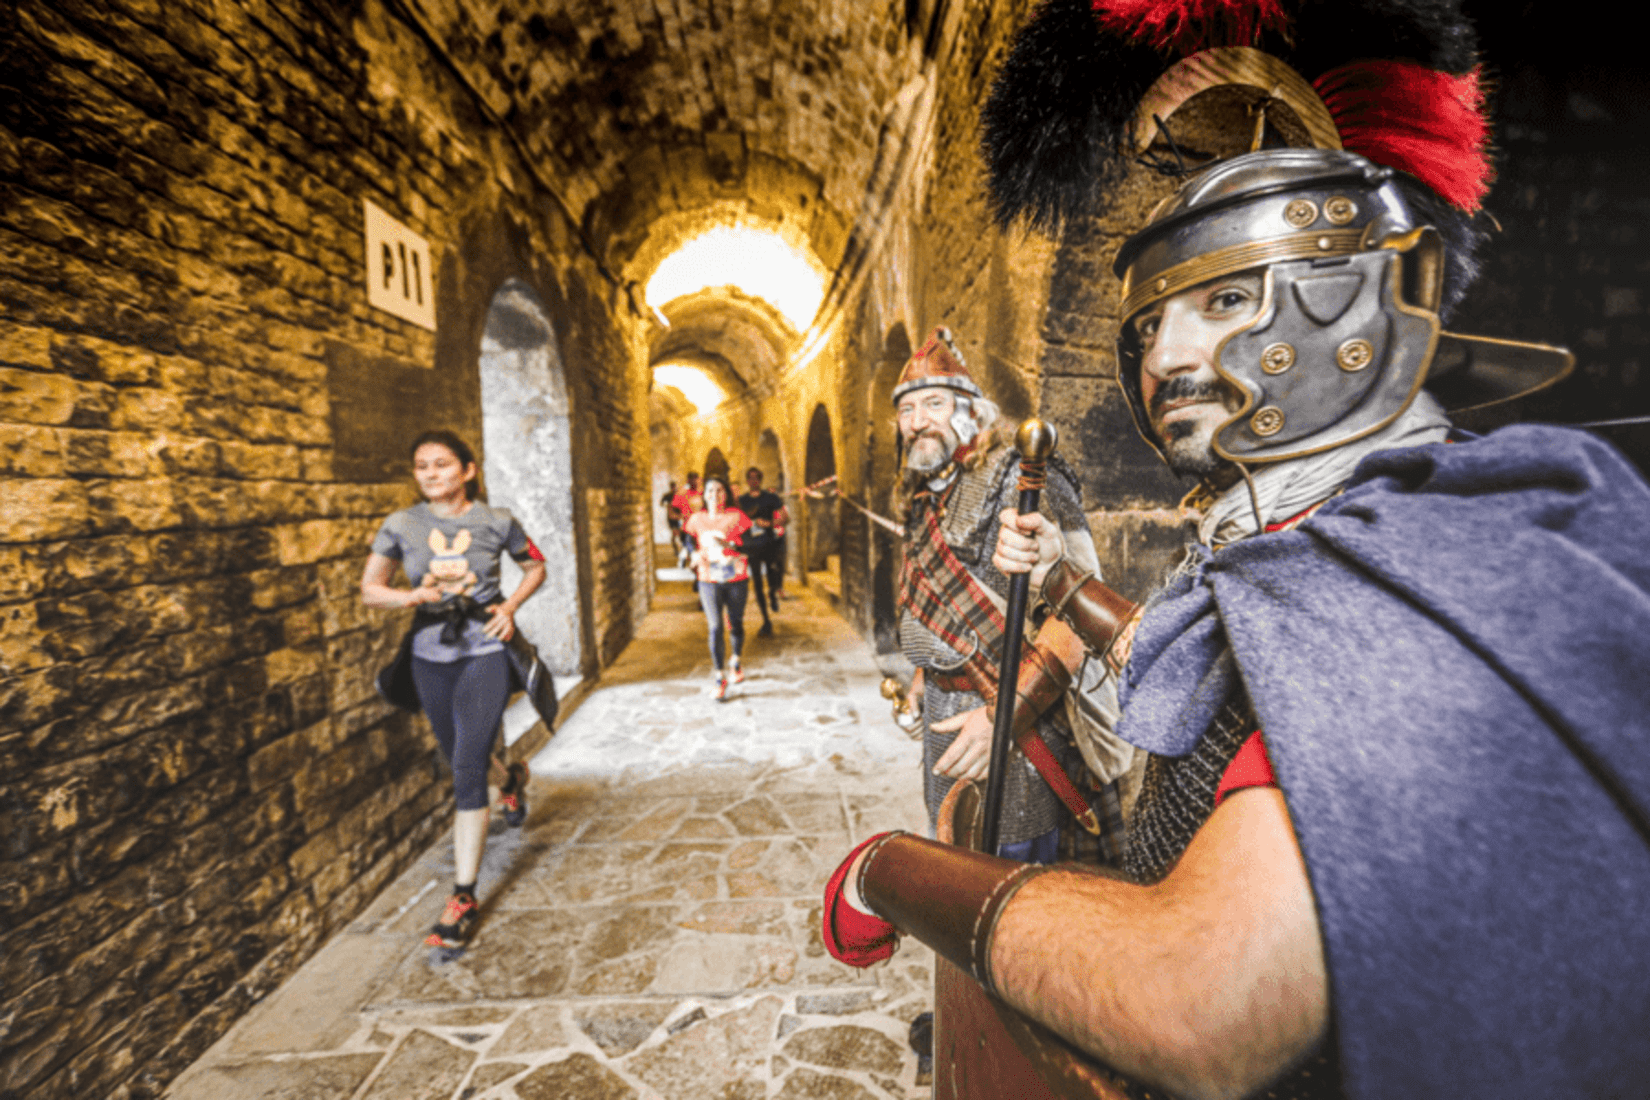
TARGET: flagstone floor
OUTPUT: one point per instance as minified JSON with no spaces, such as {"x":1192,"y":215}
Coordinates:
{"x":652,"y":931}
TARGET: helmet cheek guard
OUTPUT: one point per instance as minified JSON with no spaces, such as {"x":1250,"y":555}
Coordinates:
{"x":1335,"y":353}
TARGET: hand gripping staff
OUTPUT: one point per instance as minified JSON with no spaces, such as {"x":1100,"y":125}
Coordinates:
{"x":1036,"y":441}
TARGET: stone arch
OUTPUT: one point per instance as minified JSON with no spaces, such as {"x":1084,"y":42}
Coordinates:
{"x":770,"y":460}
{"x":882,"y":457}
{"x":716,"y":464}
{"x":527,"y":463}
{"x":819,"y":463}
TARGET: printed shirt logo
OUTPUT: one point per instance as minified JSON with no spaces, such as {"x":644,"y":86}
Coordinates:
{"x":450,"y":572}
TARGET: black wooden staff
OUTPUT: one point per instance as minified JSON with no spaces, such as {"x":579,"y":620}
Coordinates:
{"x":1036,"y":441}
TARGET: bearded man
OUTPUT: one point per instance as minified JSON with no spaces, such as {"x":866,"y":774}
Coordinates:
{"x":960,"y":472}
{"x":1394,"y":837}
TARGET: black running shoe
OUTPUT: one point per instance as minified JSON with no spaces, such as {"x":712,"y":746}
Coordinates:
{"x":458,"y":921}
{"x":512,"y":798}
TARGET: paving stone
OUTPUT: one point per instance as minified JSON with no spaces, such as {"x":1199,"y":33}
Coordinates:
{"x":834,"y":1004}
{"x":487,"y":1075}
{"x":621,"y":976}
{"x":695,"y":827}
{"x":813,"y":815}
{"x":715,"y":1058}
{"x":580,"y":1076}
{"x":846,"y":1047}
{"x":750,"y":884}
{"x":747,"y":918}
{"x":805,"y":1084}
{"x":889,"y":1084}
{"x":466,"y":1016}
{"x":747,"y":855}
{"x":600,"y":873}
{"x":421,"y":1068}
{"x":630,"y":929}
{"x":538,"y":1028}
{"x":620,"y":1028}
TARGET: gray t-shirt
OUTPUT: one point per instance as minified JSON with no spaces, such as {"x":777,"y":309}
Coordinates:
{"x":458,"y":555}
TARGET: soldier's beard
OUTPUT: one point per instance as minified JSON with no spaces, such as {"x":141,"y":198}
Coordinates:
{"x":1188,"y":444}
{"x":925,"y":456}
{"x":930,"y":452}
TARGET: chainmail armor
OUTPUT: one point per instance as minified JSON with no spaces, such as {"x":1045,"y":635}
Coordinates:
{"x":1177,"y":795}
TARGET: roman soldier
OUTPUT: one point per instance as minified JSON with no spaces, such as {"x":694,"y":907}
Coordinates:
{"x":1394,"y":838}
{"x":960,"y":472}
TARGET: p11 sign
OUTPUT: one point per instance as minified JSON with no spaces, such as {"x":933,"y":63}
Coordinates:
{"x":399,"y":275}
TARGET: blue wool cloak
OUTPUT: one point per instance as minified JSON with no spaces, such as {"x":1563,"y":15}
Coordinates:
{"x":1451,"y":663}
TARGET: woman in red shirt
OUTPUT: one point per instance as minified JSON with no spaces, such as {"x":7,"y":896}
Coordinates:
{"x":724,"y":575}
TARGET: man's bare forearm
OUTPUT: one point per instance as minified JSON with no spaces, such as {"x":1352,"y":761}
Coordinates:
{"x":1210,"y":983}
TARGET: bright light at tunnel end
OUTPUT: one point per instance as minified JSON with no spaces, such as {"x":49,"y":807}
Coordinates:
{"x":758,"y":262}
{"x":693,"y":383}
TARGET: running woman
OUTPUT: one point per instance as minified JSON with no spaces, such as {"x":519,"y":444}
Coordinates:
{"x":724,"y":576}
{"x":450,"y":546}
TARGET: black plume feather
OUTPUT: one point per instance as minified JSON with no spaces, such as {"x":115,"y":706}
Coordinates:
{"x":1054,"y":129}
{"x":1434,"y":33}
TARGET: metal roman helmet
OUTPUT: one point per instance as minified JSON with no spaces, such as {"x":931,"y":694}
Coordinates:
{"x":1348,"y":329}
{"x":1341,"y":150}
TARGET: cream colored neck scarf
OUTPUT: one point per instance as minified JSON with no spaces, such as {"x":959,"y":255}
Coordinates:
{"x":1286,"y":489}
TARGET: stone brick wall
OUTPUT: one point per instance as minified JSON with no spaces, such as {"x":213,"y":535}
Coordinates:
{"x":201,"y":425}
{"x":1567,"y":263}
{"x":619,"y":527}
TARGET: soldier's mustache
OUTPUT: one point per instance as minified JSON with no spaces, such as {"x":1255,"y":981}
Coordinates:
{"x":1184,"y":388}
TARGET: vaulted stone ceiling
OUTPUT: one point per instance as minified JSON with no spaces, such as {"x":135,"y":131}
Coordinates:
{"x":655,"y":119}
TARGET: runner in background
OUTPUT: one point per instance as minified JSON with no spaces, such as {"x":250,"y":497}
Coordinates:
{"x":717,"y":536}
{"x":765,"y":544}
{"x":686,"y":502}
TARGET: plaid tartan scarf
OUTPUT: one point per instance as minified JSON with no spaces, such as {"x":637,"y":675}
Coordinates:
{"x":949,"y":601}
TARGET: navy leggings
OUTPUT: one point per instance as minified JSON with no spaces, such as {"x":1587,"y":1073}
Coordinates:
{"x":464,"y":701}
{"x":714,"y":597}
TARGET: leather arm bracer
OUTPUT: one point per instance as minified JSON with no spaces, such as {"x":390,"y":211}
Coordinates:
{"x":1043,"y":679}
{"x":945,"y":896}
{"x":1094,"y":612}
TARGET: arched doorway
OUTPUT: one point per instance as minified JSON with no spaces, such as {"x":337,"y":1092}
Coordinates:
{"x":768,"y":460}
{"x":716,"y":465}
{"x":819,"y":464}
{"x":527,"y":462}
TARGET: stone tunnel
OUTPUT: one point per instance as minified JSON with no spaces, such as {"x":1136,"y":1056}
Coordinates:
{"x":250,"y":250}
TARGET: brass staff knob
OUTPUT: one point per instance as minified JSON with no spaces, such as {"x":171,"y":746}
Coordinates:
{"x":1036,"y":440}
{"x":891,"y":689}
